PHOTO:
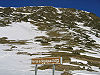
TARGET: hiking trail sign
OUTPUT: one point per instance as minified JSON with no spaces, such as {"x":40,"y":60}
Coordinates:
{"x":48,"y":60}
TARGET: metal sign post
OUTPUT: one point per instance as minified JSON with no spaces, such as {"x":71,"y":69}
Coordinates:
{"x":36,"y":69}
{"x":50,"y":60}
{"x":53,"y":69}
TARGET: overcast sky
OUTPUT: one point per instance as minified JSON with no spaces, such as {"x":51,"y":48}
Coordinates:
{"x":86,"y":5}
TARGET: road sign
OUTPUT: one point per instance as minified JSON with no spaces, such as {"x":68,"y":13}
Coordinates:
{"x":49,"y":60}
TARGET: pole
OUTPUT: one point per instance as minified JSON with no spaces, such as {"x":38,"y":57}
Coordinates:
{"x":61,"y":60}
{"x":53,"y":69}
{"x":36,"y":69}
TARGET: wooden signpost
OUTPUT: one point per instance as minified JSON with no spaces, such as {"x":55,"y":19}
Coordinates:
{"x":49,"y":60}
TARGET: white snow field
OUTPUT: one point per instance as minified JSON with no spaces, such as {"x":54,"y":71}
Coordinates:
{"x":12,"y":63}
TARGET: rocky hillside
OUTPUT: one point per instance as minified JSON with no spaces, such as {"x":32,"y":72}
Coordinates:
{"x":72,"y":34}
{"x":58,"y":16}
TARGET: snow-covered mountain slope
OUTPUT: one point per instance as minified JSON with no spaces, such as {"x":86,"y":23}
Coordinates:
{"x":30,"y":32}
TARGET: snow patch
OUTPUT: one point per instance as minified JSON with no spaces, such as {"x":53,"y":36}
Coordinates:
{"x":48,"y":22}
{"x":59,"y":21}
{"x":85,"y":11}
{"x":58,"y":11}
{"x":79,"y":23}
{"x":84,"y":27}
{"x":91,"y":55}
{"x":76,"y":48}
{"x":20,"y":31}
{"x":44,"y":17}
{"x":84,"y":72}
{"x":77,"y":60}
{"x":94,"y":38}
{"x":26,"y":13}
